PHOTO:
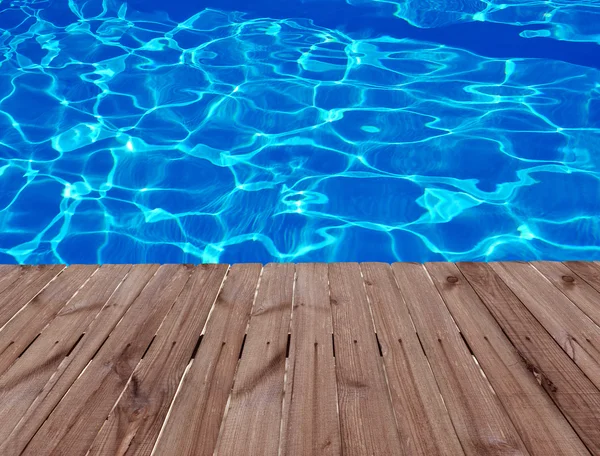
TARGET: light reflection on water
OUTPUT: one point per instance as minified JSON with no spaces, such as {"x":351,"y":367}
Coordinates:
{"x":561,"y":19}
{"x":128,"y":137}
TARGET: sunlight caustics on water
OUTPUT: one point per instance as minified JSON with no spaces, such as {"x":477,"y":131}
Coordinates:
{"x":569,"y":20}
{"x":148,"y":132}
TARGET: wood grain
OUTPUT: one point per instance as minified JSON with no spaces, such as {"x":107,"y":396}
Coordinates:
{"x":367,"y":420}
{"x":587,"y":270}
{"x":20,"y":292}
{"x":76,"y":420}
{"x":9,"y":274}
{"x":573,"y":287}
{"x":479,"y":418}
{"x":424,"y":423}
{"x":540,"y":423}
{"x":134,"y":424}
{"x":578,"y":336}
{"x":311,"y":424}
{"x":21,"y":384}
{"x":27,"y":324}
{"x":253,"y":419}
{"x":565,"y":383}
{"x":204,"y":390}
{"x":71,"y":367}
{"x":432,"y":359}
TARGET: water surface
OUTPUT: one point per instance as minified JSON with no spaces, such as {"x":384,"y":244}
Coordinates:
{"x":328,"y":130}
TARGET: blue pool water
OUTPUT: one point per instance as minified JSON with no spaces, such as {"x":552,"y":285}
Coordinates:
{"x":299,"y":130}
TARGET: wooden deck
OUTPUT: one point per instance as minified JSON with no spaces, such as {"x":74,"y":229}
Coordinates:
{"x":306,"y":359}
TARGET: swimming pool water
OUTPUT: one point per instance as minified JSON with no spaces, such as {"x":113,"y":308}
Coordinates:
{"x":319,"y":130}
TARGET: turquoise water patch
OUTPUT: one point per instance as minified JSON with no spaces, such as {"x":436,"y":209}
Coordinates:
{"x":140,"y":132}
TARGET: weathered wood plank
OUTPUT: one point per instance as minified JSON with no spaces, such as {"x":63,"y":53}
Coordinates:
{"x":424,"y":423}
{"x":133,"y":426}
{"x":587,"y":270}
{"x":565,"y":383}
{"x":69,"y":369}
{"x":20,"y":385}
{"x":577,"y":290}
{"x":66,"y":360}
{"x":311,"y":422}
{"x":540,"y":423}
{"x":366,"y":416}
{"x":204,"y":390}
{"x":27,"y":325}
{"x":9,"y":274}
{"x":76,"y":420}
{"x":253,"y":419}
{"x":21,"y":291}
{"x":478,"y":416}
{"x":285,"y":409}
{"x":578,"y":336}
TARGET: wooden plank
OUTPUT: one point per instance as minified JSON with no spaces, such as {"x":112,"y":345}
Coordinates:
{"x":21,"y":291}
{"x":565,"y":383}
{"x":27,"y":325}
{"x":366,"y":416}
{"x":424,"y":423}
{"x":65,"y":337}
{"x":573,"y":287}
{"x":76,"y":420}
{"x":285,"y":408}
{"x":253,"y":419}
{"x":71,"y":366}
{"x":479,"y":419}
{"x":201,"y":400}
{"x":311,"y":423}
{"x":133,"y":426}
{"x":20,"y":385}
{"x":578,"y":336}
{"x":540,"y":423}
{"x":587,"y":270}
{"x":9,"y":274}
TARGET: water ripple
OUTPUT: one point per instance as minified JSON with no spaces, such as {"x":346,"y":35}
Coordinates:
{"x":567,"y":20}
{"x":128,"y":137}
